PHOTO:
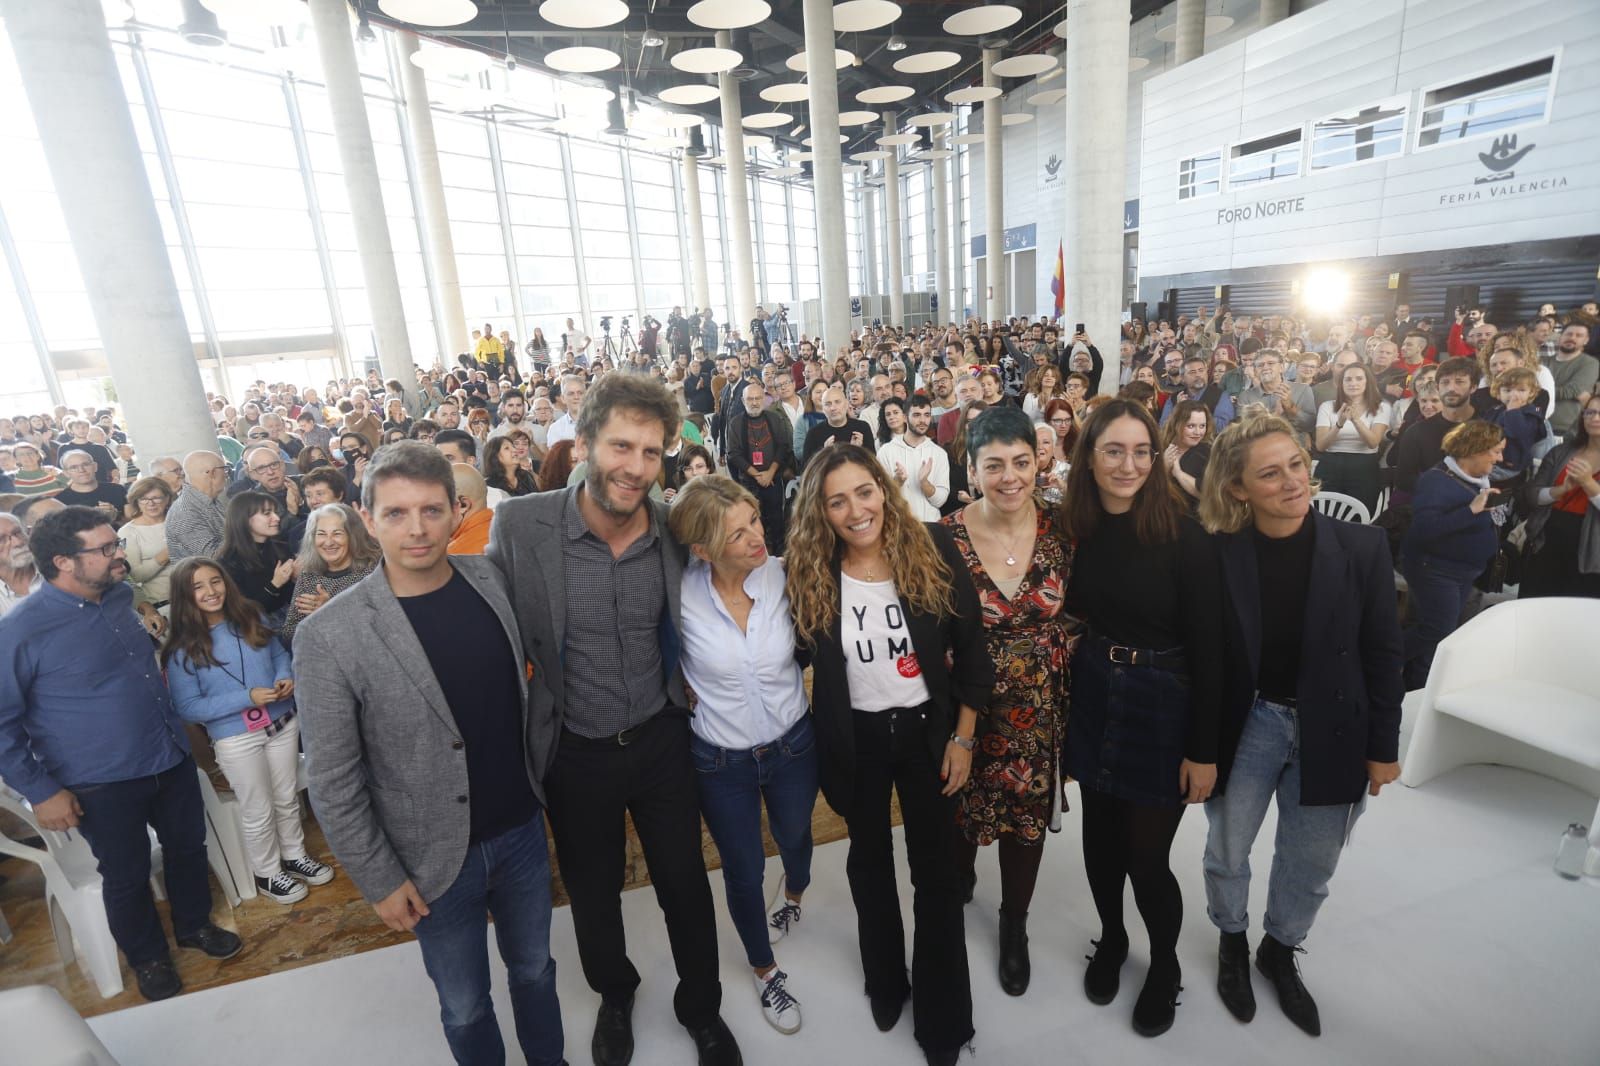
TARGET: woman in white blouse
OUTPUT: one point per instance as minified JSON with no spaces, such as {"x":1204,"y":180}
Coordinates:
{"x":145,"y":534}
{"x":1350,"y":429}
{"x":753,"y":738}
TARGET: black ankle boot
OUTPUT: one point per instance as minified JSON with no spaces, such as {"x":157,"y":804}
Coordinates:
{"x":1015,"y":968}
{"x":1233,"y":976}
{"x":1157,"y":1006}
{"x":1277,"y":962}
{"x":1104,"y":975}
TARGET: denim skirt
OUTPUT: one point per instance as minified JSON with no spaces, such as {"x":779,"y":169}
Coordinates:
{"x":1128,"y":727}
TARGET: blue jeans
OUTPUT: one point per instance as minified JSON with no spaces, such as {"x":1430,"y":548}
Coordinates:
{"x":114,"y":823}
{"x":733,"y":783}
{"x":1437,"y":596}
{"x":508,"y":877}
{"x":1309,"y":839}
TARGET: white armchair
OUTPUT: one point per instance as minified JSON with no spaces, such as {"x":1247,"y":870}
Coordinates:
{"x":1514,"y":686}
{"x":41,"y":1029}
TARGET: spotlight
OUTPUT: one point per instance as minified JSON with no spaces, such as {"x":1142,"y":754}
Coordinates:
{"x":364,"y":32}
{"x":1325,"y":291}
{"x":200,"y":26}
{"x":652,"y":39}
{"x":896,"y":43}
{"x":511,"y":62}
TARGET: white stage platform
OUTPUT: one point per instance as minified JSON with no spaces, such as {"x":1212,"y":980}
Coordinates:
{"x":1447,"y":939}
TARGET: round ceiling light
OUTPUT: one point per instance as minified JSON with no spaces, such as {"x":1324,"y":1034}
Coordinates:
{"x":255,"y":12}
{"x":688,"y":95}
{"x":926,"y":62}
{"x":1060,"y":29}
{"x":853,"y":172}
{"x":768,"y":120}
{"x":799,"y":60}
{"x":892,"y":139}
{"x":786,"y":92}
{"x":932,"y":118}
{"x":857,"y":118}
{"x":1024,"y":66}
{"x":938,"y":153}
{"x":810,"y":143}
{"x":679,"y":120}
{"x":783,"y":172}
{"x":977,"y":94}
{"x":1048,"y":98}
{"x":714,"y":161}
{"x":430,"y":12}
{"x":885,"y":94}
{"x":967,"y":138}
{"x":1169,"y":33}
{"x":981,"y":21}
{"x":1137,"y":63}
{"x":1015,"y":118}
{"x":582,"y":60}
{"x":728,"y":14}
{"x":858,"y":16}
{"x":450,"y":62}
{"x":876,"y":153}
{"x":707,"y":60}
{"x":583,"y":14}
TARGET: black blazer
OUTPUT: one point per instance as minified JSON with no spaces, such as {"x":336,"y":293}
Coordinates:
{"x":1350,"y":664}
{"x":955,"y":663}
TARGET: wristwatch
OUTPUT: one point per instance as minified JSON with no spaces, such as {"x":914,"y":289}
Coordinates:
{"x":966,"y":742}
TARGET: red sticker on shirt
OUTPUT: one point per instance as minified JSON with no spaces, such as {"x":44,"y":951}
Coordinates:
{"x":908,"y":665}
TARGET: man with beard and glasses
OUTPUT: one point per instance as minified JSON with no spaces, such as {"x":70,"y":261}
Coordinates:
{"x":594,"y":577}
{"x":1575,"y":375}
{"x":89,"y":736}
{"x":1421,"y":445}
{"x":19,"y":578}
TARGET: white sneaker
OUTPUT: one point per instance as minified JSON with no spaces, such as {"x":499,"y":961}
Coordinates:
{"x":782,"y":918}
{"x":308,"y":870}
{"x":281,"y":888}
{"x":781,"y":1009}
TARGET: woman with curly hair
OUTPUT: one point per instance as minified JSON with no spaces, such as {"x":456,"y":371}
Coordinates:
{"x":1020,"y":568}
{"x":884,"y":602}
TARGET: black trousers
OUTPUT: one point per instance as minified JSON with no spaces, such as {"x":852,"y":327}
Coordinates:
{"x":892,"y":754}
{"x":770,"y":501}
{"x":590,"y":787}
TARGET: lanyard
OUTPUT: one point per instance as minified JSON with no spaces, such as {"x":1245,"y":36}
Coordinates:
{"x":239,"y":677}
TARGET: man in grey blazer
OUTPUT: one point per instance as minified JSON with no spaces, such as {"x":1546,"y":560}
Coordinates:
{"x":416,"y":721}
{"x":594,"y":578}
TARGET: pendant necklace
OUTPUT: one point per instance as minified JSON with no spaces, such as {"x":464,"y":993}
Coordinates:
{"x":1011,"y":552}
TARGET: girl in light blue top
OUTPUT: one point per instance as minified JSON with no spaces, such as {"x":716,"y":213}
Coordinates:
{"x":228,"y":673}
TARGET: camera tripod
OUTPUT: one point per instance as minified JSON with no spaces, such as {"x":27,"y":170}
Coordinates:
{"x":619,"y":352}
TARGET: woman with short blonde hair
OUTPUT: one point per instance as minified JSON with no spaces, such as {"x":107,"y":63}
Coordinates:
{"x":751,"y":734}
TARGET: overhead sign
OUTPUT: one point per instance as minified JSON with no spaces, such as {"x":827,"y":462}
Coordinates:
{"x":1130,"y":215}
{"x":1017,"y":239}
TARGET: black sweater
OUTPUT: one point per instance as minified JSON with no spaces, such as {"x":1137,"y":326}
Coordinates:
{"x":256,"y":581}
{"x":1160,"y":597}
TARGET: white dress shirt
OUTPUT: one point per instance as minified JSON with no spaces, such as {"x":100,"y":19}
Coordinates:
{"x":923,"y":508}
{"x":747,"y":683}
{"x":563,"y":428}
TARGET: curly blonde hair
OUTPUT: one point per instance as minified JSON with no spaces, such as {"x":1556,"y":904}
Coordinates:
{"x":1220,"y":510}
{"x":918,"y":570}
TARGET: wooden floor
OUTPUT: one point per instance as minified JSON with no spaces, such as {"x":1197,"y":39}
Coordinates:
{"x":332,"y":921}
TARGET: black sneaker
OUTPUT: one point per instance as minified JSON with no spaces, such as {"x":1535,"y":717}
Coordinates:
{"x":281,"y":888}
{"x":308,"y":870}
{"x":214,"y":941}
{"x":1277,"y":962}
{"x":1104,"y":975}
{"x":158,"y":979}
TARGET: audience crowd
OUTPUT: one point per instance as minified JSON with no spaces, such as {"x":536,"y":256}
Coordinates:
{"x":583,"y":587}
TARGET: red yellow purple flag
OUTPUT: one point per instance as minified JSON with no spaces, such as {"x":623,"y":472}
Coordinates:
{"x":1058,"y":284}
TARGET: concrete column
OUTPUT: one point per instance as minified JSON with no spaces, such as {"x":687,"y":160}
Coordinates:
{"x":330,"y":19}
{"x":827,"y":170}
{"x":741,"y":248}
{"x":869,"y":239}
{"x":994,"y":191}
{"x":695,"y":211}
{"x":1191,"y":29}
{"x":75,"y":93}
{"x":893,"y":208}
{"x":1097,"y":108}
{"x":941,"y":234}
{"x":440,"y":249}
{"x":1274,"y":11}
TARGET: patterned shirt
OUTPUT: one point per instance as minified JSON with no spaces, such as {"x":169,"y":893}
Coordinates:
{"x":615,"y":679}
{"x":194,"y":525}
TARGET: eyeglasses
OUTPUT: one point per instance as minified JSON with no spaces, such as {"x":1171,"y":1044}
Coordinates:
{"x":267,"y":468}
{"x":108,"y":550}
{"x":1116,"y":455}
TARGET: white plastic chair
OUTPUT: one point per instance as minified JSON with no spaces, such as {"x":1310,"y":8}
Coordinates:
{"x":1344,"y":508}
{"x":791,"y":488}
{"x":42,"y":1029}
{"x":72,"y":892}
{"x":1382,"y":503}
{"x":225,"y":844}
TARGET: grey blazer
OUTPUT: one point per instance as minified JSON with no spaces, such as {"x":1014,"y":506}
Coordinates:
{"x":382,"y":748}
{"x":525,"y":543}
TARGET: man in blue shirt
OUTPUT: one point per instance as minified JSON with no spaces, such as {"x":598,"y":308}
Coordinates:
{"x":89,"y":736}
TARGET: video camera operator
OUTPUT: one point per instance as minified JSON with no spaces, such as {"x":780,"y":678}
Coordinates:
{"x":649,"y":330}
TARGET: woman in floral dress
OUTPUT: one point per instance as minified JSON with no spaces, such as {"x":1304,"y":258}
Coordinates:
{"x":1020,"y":568}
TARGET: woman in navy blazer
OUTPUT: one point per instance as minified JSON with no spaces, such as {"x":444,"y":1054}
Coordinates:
{"x":887,"y":608}
{"x":1311,"y":699}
